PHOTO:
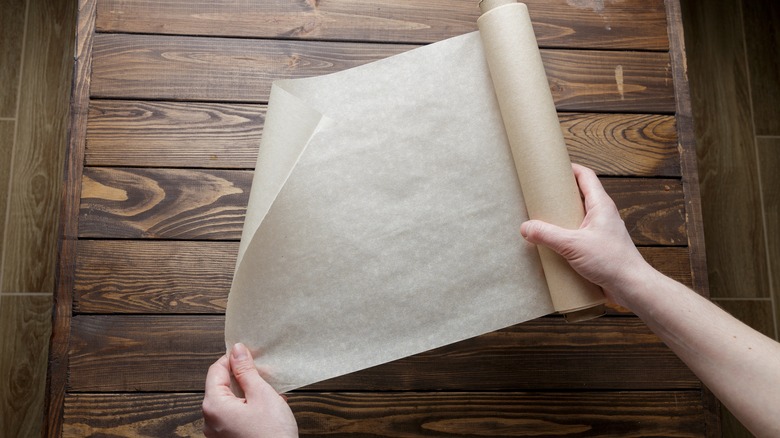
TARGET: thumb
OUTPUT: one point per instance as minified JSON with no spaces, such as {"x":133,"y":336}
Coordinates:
{"x":243,"y":368}
{"x":543,"y":233}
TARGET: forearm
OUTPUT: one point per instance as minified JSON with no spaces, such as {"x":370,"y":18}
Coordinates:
{"x":740,"y":365}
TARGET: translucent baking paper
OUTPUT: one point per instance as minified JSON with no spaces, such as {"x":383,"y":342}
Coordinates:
{"x":384,"y":218}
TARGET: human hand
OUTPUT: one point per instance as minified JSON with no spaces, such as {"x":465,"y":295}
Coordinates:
{"x":601,"y":250}
{"x":262,"y":413}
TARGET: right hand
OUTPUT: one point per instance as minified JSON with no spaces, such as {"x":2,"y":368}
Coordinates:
{"x":601,"y":250}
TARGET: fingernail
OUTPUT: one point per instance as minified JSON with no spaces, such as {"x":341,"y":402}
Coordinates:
{"x":239,"y":351}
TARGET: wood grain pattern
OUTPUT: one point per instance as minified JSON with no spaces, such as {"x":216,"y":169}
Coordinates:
{"x":167,"y":211}
{"x":11,"y":36}
{"x":623,"y":144}
{"x":173,"y":134}
{"x":6,"y":148}
{"x":486,"y":414}
{"x":164,"y":203}
{"x":633,"y":24}
{"x":57,"y":375}
{"x":25,"y":325}
{"x":762,"y":42}
{"x":31,"y":230}
{"x":230,"y":70}
{"x":210,"y":204}
{"x":121,"y":353}
{"x":726,"y":152}
{"x":688,"y":162}
{"x":769,"y":162}
{"x":213,"y":135}
{"x":662,"y":413}
{"x":151,"y":276}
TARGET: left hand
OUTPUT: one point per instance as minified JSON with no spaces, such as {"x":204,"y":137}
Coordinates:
{"x":262,"y":413}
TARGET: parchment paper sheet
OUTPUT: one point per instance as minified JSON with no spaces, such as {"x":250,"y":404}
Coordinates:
{"x":383,"y":219}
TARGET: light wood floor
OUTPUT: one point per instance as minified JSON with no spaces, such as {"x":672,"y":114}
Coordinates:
{"x":733,"y":50}
{"x":733,"y":54}
{"x":36,"y":52}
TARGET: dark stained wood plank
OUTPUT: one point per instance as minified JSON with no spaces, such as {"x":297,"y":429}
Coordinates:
{"x":173,"y":134}
{"x":623,"y":144}
{"x":221,"y":69}
{"x":240,"y":70}
{"x":672,"y":262}
{"x":688,"y":165}
{"x":210,"y":204}
{"x":214,"y":135}
{"x":125,"y":415}
{"x":633,"y":24}
{"x":11,"y":36}
{"x":658,"y":413}
{"x":173,"y":353}
{"x":152,"y":276}
{"x":762,"y":42}
{"x":652,"y":209}
{"x":736,"y":254}
{"x":690,"y":180}
{"x":31,"y":230}
{"x":25,"y":325}
{"x":164,"y":203}
{"x":57,"y":375}
{"x":490,"y":414}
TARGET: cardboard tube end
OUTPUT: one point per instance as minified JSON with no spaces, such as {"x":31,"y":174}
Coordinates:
{"x":585,"y":314}
{"x":486,"y":5}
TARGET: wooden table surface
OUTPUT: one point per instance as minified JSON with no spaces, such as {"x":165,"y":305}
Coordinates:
{"x":166,"y":118}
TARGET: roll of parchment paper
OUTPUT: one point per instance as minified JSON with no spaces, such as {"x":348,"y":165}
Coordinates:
{"x":538,"y":148}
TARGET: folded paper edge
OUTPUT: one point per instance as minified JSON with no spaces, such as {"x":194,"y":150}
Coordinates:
{"x":290,"y":124}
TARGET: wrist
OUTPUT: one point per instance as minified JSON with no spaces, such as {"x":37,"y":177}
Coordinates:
{"x":636,"y":281}
{"x":640,"y":287}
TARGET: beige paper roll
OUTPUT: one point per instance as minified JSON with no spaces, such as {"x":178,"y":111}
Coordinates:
{"x":539,"y":151}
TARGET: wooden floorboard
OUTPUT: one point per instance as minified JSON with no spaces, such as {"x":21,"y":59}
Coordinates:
{"x":214,"y":135}
{"x":647,"y":414}
{"x":761,"y":20}
{"x":152,"y":226}
{"x":149,"y":276}
{"x":769,"y":162}
{"x":24,"y":328}
{"x":11,"y":37}
{"x":210,"y":205}
{"x":31,"y":236}
{"x":725,"y":148}
{"x":630,"y":24}
{"x":110,"y":353}
{"x":241,"y":70}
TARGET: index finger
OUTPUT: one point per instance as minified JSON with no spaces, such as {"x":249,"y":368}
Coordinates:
{"x":589,"y":185}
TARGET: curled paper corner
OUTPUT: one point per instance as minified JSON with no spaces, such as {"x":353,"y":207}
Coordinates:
{"x":290,"y":124}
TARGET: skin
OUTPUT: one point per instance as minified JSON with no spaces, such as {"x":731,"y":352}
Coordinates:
{"x":739,"y":365}
{"x":261,"y":413}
